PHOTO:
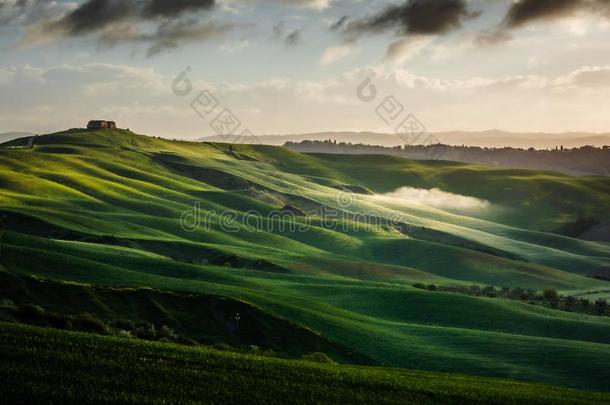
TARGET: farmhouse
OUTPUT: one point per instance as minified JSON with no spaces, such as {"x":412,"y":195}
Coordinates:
{"x":100,"y":124}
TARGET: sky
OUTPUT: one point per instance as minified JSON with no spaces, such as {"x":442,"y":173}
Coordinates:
{"x":194,"y":68}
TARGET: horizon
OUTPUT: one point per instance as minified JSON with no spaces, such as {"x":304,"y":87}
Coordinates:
{"x":476,"y":139}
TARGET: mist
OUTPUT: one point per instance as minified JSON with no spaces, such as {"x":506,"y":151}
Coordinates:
{"x":435,"y":198}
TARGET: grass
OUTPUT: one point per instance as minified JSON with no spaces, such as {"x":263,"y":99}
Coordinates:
{"x":39,"y":365}
{"x":103,"y":208}
{"x":195,"y":318}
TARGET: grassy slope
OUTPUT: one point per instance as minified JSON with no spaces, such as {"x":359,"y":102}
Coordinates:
{"x":135,"y":189}
{"x":45,"y":365}
{"x":528,"y":198}
{"x":196,"y":318}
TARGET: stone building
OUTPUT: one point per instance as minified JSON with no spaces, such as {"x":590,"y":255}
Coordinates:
{"x":100,"y":124}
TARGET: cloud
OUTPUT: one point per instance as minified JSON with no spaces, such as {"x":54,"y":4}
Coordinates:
{"x":415,"y":21}
{"x":26,"y":12}
{"x":315,"y":4}
{"x":335,"y":53}
{"x":586,"y":77}
{"x":521,"y":13}
{"x":291,"y":38}
{"x":434,"y":198}
{"x":414,"y":17}
{"x":525,"y":11}
{"x":161,"y":24}
{"x":406,"y":48}
{"x":337,"y":25}
{"x":164,"y":8}
{"x":141,"y":98}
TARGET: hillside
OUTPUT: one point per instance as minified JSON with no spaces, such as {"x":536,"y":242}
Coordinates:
{"x":286,"y":234}
{"x":49,"y":366}
{"x":582,"y":161}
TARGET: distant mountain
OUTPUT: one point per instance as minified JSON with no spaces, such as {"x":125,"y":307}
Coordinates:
{"x":9,"y":136}
{"x":492,"y":138}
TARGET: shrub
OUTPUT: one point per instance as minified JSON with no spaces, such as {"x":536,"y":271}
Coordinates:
{"x":550,"y":294}
{"x":318,"y":357}
{"x":489,"y":291}
{"x":432,"y":287}
{"x":124,"y":324}
{"x":58,"y":321}
{"x":146,"y":331}
{"x":88,"y":323}
{"x":421,"y":286}
{"x":29,"y":313}
{"x":7,"y":303}
{"x":125,"y":334}
{"x":601,"y":306}
{"x":475,"y":289}
{"x":165,"y":332}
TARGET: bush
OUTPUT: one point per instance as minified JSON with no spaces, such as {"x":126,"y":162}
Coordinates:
{"x":570,"y":301}
{"x":550,"y":294}
{"x":421,"y":286}
{"x":125,"y":334}
{"x":7,"y":303}
{"x":58,"y":321}
{"x":318,"y":357}
{"x":601,"y":306}
{"x":146,"y":331}
{"x":88,"y":323}
{"x":475,"y":289}
{"x":165,"y":332}
{"x":124,"y":324}
{"x":489,"y":291}
{"x":32,"y":314}
{"x":432,"y":287}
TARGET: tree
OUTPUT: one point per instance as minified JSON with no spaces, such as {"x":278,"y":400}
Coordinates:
{"x":550,"y":294}
{"x":601,"y":306}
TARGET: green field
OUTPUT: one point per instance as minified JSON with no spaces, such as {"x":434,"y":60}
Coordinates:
{"x":38,"y":365}
{"x":103,"y":209}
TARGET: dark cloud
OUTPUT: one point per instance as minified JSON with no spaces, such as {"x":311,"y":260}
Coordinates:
{"x":291,"y":38}
{"x":523,"y":12}
{"x":165,"y":8}
{"x":294,"y":38}
{"x":492,"y":37}
{"x":26,"y":12}
{"x":162,"y":24}
{"x":93,"y":15}
{"x":337,"y":25}
{"x":526,"y":11}
{"x":172,"y":33}
{"x":279,"y":29}
{"x":420,"y":17}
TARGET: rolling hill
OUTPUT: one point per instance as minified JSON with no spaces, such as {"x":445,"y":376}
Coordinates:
{"x":50,"y":366}
{"x":317,"y":243}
